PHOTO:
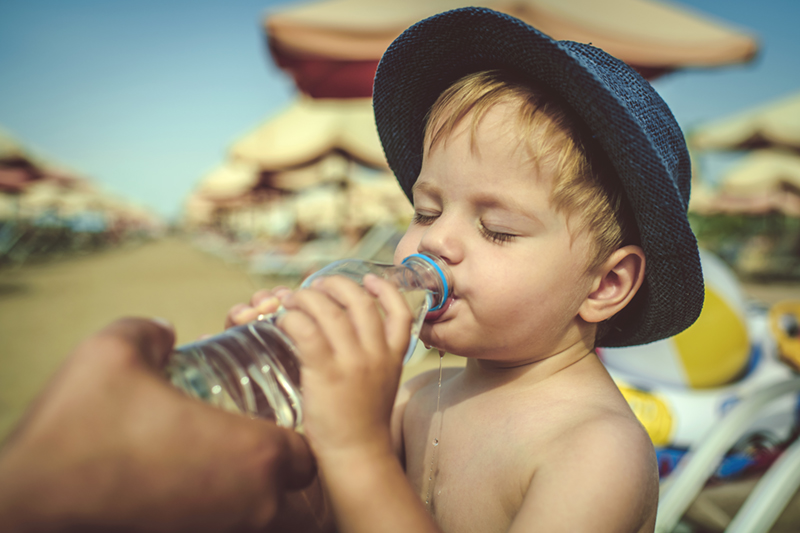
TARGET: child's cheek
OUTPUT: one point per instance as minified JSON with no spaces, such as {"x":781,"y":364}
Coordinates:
{"x":408,"y":245}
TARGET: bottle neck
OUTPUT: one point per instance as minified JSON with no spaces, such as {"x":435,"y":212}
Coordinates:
{"x":431,"y":274}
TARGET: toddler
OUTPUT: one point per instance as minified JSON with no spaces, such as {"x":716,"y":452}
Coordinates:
{"x":554,"y":182}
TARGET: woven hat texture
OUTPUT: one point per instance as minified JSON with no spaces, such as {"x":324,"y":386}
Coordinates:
{"x":627,"y":118}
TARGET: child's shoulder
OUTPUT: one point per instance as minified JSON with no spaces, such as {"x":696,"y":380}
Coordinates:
{"x":604,"y":431}
{"x":601,"y":456}
{"x":597,"y":418}
{"x":606,"y":466}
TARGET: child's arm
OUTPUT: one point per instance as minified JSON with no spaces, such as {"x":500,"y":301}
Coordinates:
{"x":351,"y":363}
{"x":600,"y":477}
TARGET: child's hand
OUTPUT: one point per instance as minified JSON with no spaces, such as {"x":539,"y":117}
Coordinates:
{"x":351,"y":359}
{"x":262,"y":302}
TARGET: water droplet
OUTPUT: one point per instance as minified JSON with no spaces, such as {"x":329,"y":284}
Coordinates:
{"x":216,"y":389}
{"x":435,"y":442}
{"x":245,"y":380}
{"x":440,"y":492}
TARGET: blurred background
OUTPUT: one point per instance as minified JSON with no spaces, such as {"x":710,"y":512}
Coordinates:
{"x":169,"y":158}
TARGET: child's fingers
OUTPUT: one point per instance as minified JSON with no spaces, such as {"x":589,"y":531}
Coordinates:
{"x":259,"y":295}
{"x":362,"y":309}
{"x":399,"y":319}
{"x":313,"y":348}
{"x":267,"y":300}
{"x":331,"y":320}
{"x":240,"y":314}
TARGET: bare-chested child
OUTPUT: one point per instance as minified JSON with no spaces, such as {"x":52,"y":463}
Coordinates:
{"x":554,"y":182}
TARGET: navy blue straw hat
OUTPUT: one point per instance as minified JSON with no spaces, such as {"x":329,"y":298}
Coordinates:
{"x":627,"y":118}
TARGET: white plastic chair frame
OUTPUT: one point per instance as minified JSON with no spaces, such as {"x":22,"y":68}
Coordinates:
{"x":771,"y":494}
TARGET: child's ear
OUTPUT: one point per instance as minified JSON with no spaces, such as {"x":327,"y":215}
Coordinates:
{"x":616,"y":282}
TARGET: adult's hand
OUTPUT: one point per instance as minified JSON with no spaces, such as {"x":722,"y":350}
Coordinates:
{"x":111,"y":445}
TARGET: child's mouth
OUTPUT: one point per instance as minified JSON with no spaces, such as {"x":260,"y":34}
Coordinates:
{"x":433,"y":316}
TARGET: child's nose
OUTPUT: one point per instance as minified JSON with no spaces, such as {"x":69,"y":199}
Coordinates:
{"x":442,"y":239}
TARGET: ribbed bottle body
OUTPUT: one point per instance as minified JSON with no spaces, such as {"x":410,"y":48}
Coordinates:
{"x":253,"y":368}
{"x":250,"y":369}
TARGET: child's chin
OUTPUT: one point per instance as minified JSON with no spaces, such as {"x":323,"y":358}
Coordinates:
{"x":425,"y":335}
{"x":431,"y":340}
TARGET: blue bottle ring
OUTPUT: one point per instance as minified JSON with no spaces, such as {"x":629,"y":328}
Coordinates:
{"x":438,"y":271}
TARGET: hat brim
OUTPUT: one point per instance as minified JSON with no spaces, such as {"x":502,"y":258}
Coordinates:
{"x":431,"y":55}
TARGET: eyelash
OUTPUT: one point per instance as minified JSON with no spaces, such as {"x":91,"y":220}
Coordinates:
{"x":492,"y":236}
{"x":495,"y":237}
{"x":419,"y":218}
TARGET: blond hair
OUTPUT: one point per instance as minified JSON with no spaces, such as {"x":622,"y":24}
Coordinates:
{"x":583,"y":183}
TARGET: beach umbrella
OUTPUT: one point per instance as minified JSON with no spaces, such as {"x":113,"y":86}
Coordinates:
{"x":332,"y":168}
{"x":763,"y":181}
{"x":332,"y":48}
{"x":763,"y":170}
{"x":230,"y":180}
{"x":21,"y":167}
{"x":756,"y":204}
{"x":16,"y":170}
{"x":775,"y":124}
{"x":310,"y":129}
{"x":15,"y":179}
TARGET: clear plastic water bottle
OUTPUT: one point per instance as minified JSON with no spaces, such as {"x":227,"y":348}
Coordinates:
{"x":253,"y":368}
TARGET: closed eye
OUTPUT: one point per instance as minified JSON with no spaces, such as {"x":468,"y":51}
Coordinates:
{"x":496,"y":236}
{"x":424,"y":220}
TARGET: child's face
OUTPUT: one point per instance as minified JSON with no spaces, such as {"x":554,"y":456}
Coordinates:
{"x":519,"y":275}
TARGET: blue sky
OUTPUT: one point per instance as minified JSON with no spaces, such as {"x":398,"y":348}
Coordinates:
{"x":145,"y":96}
